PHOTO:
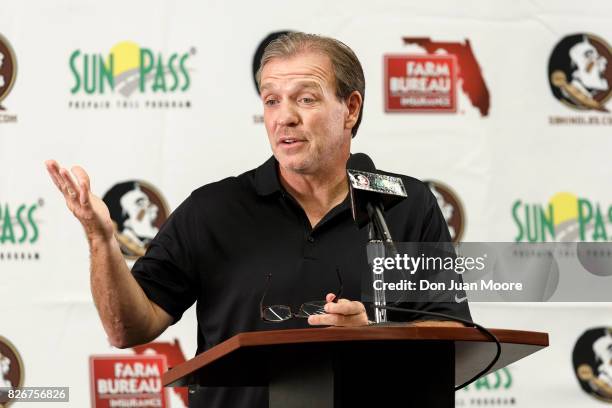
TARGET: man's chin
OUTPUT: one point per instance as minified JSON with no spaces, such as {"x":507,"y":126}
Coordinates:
{"x":295,"y":166}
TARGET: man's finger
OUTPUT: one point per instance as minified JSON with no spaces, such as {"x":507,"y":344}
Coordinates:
{"x":345,"y":308}
{"x":71,"y":188}
{"x":331,"y":297}
{"x":52,"y":170}
{"x":84,"y":186}
{"x":81,"y":175}
{"x":325,"y":320}
{"x":337,"y":320}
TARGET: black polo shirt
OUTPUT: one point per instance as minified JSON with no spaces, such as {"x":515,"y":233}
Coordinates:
{"x":219,"y":245}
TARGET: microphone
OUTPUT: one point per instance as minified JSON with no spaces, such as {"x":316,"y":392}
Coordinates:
{"x":372,"y":192}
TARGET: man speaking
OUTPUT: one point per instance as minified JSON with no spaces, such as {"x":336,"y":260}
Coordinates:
{"x":284,"y":228}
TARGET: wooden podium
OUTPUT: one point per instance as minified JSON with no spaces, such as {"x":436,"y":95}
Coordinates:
{"x":378,"y":366}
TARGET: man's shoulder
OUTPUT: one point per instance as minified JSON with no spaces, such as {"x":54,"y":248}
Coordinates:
{"x":414,"y":187}
{"x":234,"y":187}
{"x":419,"y":211}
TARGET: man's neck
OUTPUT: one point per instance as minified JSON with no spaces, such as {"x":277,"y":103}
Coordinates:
{"x":316,"y":193}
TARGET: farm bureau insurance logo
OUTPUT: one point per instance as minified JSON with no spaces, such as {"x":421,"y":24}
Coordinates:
{"x":138,"y":210}
{"x":580,"y":77}
{"x":127,"y":381}
{"x":143,"y":77}
{"x":174,"y":356}
{"x":450,"y":206}
{"x":11,"y":367}
{"x":565,"y":218}
{"x":19,"y":230}
{"x":428,"y":81}
{"x":592,"y":361}
{"x":8,"y":75}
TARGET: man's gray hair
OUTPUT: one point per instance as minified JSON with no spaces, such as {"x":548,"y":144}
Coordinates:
{"x":348,"y":74}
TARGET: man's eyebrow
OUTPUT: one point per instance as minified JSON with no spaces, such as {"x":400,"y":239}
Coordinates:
{"x":265,"y":87}
{"x":296,"y":86}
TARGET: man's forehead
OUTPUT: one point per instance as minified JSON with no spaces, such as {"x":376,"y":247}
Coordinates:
{"x":304,"y":70}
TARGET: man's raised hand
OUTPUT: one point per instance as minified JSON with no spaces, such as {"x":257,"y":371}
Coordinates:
{"x":86,"y":207}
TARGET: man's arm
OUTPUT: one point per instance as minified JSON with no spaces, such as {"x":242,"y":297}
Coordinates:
{"x":127,"y":314}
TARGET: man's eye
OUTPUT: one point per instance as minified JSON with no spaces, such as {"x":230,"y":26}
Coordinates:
{"x":271,"y":102}
{"x":307,"y":100}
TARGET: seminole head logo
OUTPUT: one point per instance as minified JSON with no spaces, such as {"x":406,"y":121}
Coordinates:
{"x":592,"y":358}
{"x":8,"y":68}
{"x":451,"y":208}
{"x":11,"y":368}
{"x":359,"y":180}
{"x":580,"y":72}
{"x":138,"y":210}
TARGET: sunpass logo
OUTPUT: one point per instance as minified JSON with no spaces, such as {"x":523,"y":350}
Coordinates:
{"x":19,"y":230}
{"x":565,"y":218}
{"x":130,"y":70}
{"x":495,"y":389}
{"x":498,"y":380}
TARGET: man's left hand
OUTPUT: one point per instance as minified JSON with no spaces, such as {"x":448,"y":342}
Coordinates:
{"x":342,"y":313}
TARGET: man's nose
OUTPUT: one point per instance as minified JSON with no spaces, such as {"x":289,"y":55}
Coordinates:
{"x":288,"y":115}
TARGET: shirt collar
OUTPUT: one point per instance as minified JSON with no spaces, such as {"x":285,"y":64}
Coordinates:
{"x":266,"y":178}
{"x":267,"y":183}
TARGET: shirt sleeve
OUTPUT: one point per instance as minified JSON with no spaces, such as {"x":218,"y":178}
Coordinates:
{"x":434,"y":228}
{"x":167,"y":272}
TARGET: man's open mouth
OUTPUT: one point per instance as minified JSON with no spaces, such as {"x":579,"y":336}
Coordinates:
{"x":290,"y":140}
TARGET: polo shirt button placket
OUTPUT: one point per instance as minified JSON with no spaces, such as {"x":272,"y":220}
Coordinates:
{"x":309,"y":247}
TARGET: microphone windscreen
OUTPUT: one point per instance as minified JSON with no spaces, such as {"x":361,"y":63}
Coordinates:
{"x":360,"y":161}
{"x":366,"y":185}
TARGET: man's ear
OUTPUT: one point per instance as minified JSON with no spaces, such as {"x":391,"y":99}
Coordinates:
{"x":353,"y":103}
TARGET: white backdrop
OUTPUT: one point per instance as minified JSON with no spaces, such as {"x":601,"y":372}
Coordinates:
{"x":490,"y":162}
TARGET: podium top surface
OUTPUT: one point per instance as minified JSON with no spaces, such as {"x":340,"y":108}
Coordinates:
{"x":473,"y":349}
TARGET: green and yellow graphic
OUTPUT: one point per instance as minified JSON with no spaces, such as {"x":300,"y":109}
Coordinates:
{"x":565,"y":218}
{"x":129,"y":68}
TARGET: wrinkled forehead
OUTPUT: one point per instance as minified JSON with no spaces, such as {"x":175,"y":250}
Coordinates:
{"x":307,"y":69}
